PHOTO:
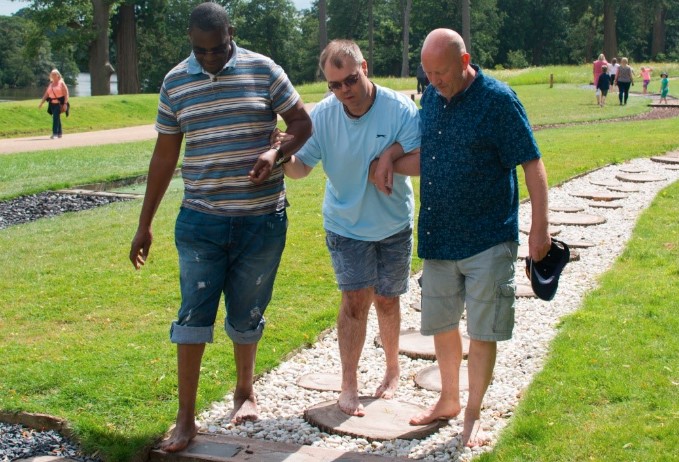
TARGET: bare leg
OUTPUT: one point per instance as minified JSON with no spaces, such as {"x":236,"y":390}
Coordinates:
{"x":448,"y":347}
{"x":244,"y":401}
{"x":189,"y":357}
{"x":351,"y":327}
{"x":481,"y":363}
{"x":389,"y":319}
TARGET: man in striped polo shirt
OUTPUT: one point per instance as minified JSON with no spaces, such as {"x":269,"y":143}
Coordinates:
{"x":231,"y":228}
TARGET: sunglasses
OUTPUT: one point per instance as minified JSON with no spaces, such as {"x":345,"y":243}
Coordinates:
{"x":349,"y":82}
{"x":220,"y":50}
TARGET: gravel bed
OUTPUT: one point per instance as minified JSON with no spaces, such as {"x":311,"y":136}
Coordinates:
{"x":19,"y":442}
{"x":48,"y":204}
{"x":282,"y":402}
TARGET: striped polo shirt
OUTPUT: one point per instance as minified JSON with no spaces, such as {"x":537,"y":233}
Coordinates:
{"x":226,"y":120}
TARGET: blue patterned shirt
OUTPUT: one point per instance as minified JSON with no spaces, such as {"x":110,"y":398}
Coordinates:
{"x":469,"y":195}
{"x":227,"y":119}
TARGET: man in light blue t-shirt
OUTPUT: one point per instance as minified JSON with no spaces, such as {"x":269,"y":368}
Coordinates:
{"x":368,"y":233}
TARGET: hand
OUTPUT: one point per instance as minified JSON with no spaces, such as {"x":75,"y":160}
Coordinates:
{"x":277,"y":137}
{"x":382,"y":175}
{"x":538,"y":245}
{"x":141,"y":245}
{"x":263,"y":167}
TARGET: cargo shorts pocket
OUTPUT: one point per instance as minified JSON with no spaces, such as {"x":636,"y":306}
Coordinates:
{"x":505,"y":294}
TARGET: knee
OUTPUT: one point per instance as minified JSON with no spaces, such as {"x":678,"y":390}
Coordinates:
{"x":356,"y":303}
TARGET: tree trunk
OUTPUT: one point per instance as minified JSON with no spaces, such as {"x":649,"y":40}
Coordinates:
{"x":465,"y":9}
{"x":126,"y":44}
{"x":659,"y":31}
{"x":99,"y":65}
{"x":371,"y":37}
{"x":322,"y":31}
{"x":610,"y":38}
{"x":406,"y":38}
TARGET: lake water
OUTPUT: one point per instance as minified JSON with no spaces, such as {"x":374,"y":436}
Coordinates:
{"x":82,"y":88}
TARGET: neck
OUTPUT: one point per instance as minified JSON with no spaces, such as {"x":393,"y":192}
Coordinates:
{"x":364,"y":108}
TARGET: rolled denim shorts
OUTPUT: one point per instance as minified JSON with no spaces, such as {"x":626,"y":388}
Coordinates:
{"x":234,"y":256}
{"x":484,"y":283}
{"x":384,"y":265}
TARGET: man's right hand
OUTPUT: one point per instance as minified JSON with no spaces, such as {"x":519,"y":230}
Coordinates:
{"x":141,"y":245}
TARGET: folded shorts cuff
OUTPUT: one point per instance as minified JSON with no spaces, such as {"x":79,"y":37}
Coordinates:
{"x":245,"y":338}
{"x":191,"y":335}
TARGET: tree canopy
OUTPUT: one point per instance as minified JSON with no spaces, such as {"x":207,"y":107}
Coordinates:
{"x":143,"y":39}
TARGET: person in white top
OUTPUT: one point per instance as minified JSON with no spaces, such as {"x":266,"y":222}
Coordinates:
{"x":613,"y":70}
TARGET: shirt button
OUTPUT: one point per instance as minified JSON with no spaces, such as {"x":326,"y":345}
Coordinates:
{"x":433,"y":157}
{"x":428,"y":233}
{"x":430,"y":183}
{"x":428,"y":208}
{"x":439,"y":132}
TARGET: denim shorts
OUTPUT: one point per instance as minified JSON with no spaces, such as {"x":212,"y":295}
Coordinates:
{"x":384,"y":265}
{"x":483,"y":282}
{"x":234,"y":256}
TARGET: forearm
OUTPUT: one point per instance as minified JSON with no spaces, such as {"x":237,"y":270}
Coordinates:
{"x":298,"y":124}
{"x":296,"y":169}
{"x":536,"y":183}
{"x":408,"y":164}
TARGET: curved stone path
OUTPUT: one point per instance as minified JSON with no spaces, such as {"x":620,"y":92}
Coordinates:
{"x":283,"y":402}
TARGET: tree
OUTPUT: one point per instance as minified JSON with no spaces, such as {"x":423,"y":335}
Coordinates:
{"x":125,"y":32}
{"x":405,"y":53}
{"x":466,"y":24}
{"x":610,"y":35}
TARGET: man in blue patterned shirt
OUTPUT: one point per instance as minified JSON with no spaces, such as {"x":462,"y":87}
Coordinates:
{"x":231,"y":228}
{"x":474,"y":134}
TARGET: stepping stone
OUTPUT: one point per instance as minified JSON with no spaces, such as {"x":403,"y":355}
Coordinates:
{"x":631,"y":169}
{"x":625,"y":188}
{"x":672,"y":167}
{"x":429,"y":378}
{"x":576,"y":219}
{"x":574,"y":256}
{"x":600,"y":196}
{"x":385,"y":419}
{"x":605,"y":182}
{"x":417,"y":346}
{"x":522,"y":253}
{"x":565,"y":209}
{"x":605,"y":205}
{"x":579,"y":243}
{"x":524,"y":291}
{"x":640,"y":177}
{"x":667,"y":159}
{"x":323,"y":382}
{"x":552,"y":230}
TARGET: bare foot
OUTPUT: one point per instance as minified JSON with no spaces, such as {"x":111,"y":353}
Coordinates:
{"x":472,"y":436}
{"x":349,"y":404}
{"x":244,"y":409}
{"x":439,"y":411}
{"x":180,"y":437}
{"x":388,"y":386}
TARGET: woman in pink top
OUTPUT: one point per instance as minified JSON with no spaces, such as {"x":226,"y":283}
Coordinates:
{"x":596,"y":69}
{"x":57,"y":96}
{"x":645,"y":74}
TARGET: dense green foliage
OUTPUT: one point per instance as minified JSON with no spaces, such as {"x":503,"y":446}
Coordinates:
{"x":505,"y":33}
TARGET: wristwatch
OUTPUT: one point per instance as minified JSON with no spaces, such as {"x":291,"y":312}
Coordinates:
{"x":280,"y":156}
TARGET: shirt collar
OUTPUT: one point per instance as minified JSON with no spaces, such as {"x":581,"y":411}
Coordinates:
{"x":194,"y":66}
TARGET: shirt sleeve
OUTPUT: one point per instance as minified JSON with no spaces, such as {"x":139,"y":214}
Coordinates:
{"x":166,"y":120}
{"x":283,"y":94}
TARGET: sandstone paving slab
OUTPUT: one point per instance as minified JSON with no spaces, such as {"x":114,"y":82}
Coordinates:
{"x":605,"y":182}
{"x":640,"y":177}
{"x":666,"y":159}
{"x":552,"y":230}
{"x":417,"y":346}
{"x":605,"y":205}
{"x":632,"y":169}
{"x":576,"y":219}
{"x":222,"y":448}
{"x":323,"y":382}
{"x":579,"y":243}
{"x":599,"y":195}
{"x":385,"y":419}
{"x":429,"y":378}
{"x":566,"y":209}
{"x":624,"y":188}
{"x":523,"y":254}
{"x":524,"y":291}
{"x":672,"y":167}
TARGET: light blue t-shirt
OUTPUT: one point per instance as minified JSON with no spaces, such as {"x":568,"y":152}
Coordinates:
{"x":353,"y":207}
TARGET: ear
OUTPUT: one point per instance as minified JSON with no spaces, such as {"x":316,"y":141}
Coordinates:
{"x":466,"y":59}
{"x":231,"y":31}
{"x":364,"y":67}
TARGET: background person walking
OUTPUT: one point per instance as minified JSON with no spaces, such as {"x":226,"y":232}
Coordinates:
{"x":664,"y":87}
{"x":624,"y":80}
{"x":56,"y":94}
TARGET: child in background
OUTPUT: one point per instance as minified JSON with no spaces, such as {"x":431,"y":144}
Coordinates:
{"x":645,"y":73}
{"x":664,"y":87}
{"x":602,"y":86}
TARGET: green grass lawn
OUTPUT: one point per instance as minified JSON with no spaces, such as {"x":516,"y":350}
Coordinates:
{"x":85,"y":337}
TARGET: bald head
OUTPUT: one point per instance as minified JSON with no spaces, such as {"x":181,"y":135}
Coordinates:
{"x":444,"y":41}
{"x":446,"y":62}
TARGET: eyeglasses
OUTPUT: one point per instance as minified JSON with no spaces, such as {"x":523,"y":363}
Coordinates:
{"x":349,"y":82}
{"x":220,"y":50}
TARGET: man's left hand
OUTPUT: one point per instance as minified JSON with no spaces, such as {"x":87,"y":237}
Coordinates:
{"x":263,"y":167}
